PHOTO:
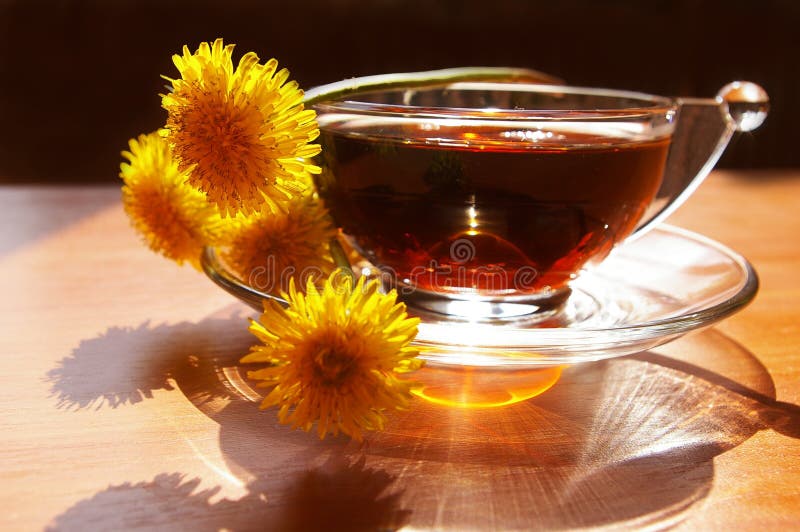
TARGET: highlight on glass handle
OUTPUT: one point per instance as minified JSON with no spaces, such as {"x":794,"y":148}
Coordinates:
{"x":748,"y":104}
{"x":703,"y":128}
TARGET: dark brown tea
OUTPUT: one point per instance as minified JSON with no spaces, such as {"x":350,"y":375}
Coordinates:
{"x":489,"y":218}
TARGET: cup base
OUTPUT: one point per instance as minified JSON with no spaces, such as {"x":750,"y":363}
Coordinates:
{"x":532,"y":309}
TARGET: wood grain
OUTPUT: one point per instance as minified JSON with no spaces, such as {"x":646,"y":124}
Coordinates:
{"x":122,"y":404}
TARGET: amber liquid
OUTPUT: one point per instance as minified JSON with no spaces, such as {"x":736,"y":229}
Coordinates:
{"x":489,"y":219}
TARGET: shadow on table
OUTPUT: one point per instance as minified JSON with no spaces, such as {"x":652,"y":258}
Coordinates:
{"x":126,"y":365}
{"x":337,"y":495}
{"x":629,"y":442}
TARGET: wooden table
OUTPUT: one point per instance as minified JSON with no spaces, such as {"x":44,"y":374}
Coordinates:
{"x":121,"y":404}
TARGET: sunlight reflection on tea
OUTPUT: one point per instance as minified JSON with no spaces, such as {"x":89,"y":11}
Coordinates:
{"x":471,"y":387}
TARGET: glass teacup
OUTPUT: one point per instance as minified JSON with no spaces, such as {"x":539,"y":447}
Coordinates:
{"x":487,"y":199}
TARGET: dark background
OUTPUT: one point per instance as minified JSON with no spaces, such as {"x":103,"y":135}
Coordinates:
{"x":78,"y":78}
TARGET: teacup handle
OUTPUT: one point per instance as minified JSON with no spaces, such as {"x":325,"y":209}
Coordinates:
{"x":703,"y":129}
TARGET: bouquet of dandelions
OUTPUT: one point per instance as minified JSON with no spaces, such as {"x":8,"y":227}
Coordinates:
{"x":232,"y":168}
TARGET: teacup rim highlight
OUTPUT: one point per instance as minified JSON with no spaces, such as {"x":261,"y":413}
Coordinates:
{"x":650,"y":104}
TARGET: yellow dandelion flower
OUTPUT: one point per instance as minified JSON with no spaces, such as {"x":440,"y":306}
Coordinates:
{"x":173,"y":218}
{"x":269,"y":248}
{"x":242,"y":134}
{"x":337,"y":356}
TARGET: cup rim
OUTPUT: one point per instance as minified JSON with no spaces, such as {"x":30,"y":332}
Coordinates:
{"x":650,"y":104}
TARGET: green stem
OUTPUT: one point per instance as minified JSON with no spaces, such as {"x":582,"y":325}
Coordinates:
{"x":340,"y":257}
{"x":339,"y":89}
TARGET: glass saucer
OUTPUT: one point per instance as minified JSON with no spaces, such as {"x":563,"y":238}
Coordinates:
{"x":647,"y":292}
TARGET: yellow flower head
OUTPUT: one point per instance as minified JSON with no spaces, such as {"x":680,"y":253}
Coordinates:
{"x":174,"y":218}
{"x":337,"y":355}
{"x":242,"y":134}
{"x":269,"y":248}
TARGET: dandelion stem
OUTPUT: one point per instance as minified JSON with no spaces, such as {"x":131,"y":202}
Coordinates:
{"x":340,"y":258}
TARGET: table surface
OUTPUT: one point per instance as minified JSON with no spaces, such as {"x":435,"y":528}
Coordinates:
{"x":121,"y":404}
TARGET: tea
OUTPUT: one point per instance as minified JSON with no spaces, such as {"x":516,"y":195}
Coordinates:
{"x":497,"y":213}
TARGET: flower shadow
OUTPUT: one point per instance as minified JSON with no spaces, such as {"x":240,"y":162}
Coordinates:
{"x":126,"y":365}
{"x":340,"y":495}
{"x":152,"y":504}
{"x":151,"y":358}
{"x":337,"y":495}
